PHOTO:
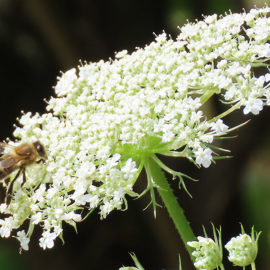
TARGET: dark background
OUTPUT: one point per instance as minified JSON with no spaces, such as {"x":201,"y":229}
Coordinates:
{"x":38,"y":39}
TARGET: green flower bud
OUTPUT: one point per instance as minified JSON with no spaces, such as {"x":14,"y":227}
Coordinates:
{"x":207,"y":253}
{"x":242,"y":249}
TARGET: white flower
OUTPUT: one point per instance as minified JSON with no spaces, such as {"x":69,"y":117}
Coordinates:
{"x":219,"y":127}
{"x":121,"y":54}
{"x":23,"y":239}
{"x":72,"y":216}
{"x":253,"y":105}
{"x":204,"y":157}
{"x":86,"y":170}
{"x":267,"y":77}
{"x":38,"y":195}
{"x":267,"y":95}
{"x":106,"y":117}
{"x":211,"y":19}
{"x":129,"y":169}
{"x":106,"y":209}
{"x":47,"y":239}
{"x":51,"y":192}
{"x":5,"y":231}
{"x":3,"y":207}
{"x":93,"y":200}
{"x":7,"y":225}
{"x":65,"y":83}
{"x":36,"y":218}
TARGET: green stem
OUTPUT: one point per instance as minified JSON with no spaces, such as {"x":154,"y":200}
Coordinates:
{"x":253,"y":267}
{"x":173,"y":154}
{"x":234,"y":107}
{"x":171,"y":203}
{"x":207,"y":95}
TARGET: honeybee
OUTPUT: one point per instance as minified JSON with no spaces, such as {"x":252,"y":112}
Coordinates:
{"x":18,"y":157}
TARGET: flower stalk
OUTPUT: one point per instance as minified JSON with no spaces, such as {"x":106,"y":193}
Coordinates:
{"x":174,"y":209}
{"x":227,"y":112}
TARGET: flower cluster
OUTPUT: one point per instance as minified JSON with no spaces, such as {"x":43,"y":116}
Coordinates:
{"x":207,"y":253}
{"x":223,"y":53}
{"x":108,"y":117}
{"x":242,"y":250}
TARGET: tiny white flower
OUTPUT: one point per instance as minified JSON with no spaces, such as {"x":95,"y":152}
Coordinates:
{"x":203,"y":157}
{"x":105,"y":209}
{"x":219,"y":127}
{"x":129,"y":169}
{"x":3,"y":207}
{"x":36,"y":218}
{"x":121,"y":54}
{"x":94,"y":201}
{"x":72,"y":216}
{"x":253,"y":105}
{"x":47,"y":239}
{"x":86,"y":170}
{"x":211,"y":19}
{"x":38,"y":195}
{"x":267,"y":95}
{"x":65,"y":84}
{"x":58,"y":212}
{"x":267,"y":77}
{"x":51,"y":192}
{"x":23,"y":239}
{"x":5,"y":231}
{"x":266,"y":51}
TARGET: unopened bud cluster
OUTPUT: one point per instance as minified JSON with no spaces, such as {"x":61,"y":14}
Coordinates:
{"x":207,"y":253}
{"x":242,"y":250}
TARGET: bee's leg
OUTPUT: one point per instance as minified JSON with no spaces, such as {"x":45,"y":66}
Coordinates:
{"x":24,"y":176}
{"x":3,"y":194}
{"x":41,"y":160}
{"x":10,"y":187}
{"x":7,"y":181}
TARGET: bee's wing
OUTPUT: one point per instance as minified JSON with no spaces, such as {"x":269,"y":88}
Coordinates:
{"x":4,"y":147}
{"x":8,"y":162}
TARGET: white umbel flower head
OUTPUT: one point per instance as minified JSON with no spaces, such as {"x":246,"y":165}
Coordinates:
{"x":107,"y":117}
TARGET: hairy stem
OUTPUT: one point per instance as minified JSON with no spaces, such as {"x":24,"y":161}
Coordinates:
{"x":171,"y":203}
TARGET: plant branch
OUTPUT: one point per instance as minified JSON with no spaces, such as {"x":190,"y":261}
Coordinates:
{"x":171,"y":203}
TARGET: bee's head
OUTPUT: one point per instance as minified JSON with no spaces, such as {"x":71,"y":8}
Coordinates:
{"x":40,"y":148}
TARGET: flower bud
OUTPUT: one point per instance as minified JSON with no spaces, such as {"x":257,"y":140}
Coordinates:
{"x":207,"y":253}
{"x":242,"y":249}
